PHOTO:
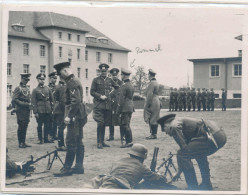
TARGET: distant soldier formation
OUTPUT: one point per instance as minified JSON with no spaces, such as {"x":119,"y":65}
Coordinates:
{"x":192,"y":100}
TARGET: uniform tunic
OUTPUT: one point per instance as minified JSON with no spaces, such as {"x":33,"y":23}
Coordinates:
{"x":152,"y":103}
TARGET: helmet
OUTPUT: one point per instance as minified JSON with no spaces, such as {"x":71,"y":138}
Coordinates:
{"x":139,"y":150}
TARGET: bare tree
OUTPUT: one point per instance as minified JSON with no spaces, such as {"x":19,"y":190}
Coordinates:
{"x":140,"y":79}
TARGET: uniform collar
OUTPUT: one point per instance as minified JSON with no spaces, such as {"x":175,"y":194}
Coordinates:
{"x":51,"y":84}
{"x":126,"y":80}
{"x":153,"y":79}
{"x":61,"y":82}
{"x":22,"y":84}
{"x":69,"y":77}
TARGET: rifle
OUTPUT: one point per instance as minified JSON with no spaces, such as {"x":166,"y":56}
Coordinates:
{"x":209,"y":133}
{"x":49,"y":164}
{"x":154,"y":159}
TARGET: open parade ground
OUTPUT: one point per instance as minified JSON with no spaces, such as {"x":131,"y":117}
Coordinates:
{"x":225,"y":164}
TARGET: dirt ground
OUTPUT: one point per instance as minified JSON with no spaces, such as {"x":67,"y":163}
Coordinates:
{"x":224,"y":164}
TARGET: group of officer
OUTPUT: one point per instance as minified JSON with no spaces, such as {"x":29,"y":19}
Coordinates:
{"x":185,"y":99}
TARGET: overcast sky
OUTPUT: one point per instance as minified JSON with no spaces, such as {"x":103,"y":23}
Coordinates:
{"x":178,"y":34}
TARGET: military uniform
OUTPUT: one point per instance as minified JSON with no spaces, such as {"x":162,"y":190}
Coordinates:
{"x":208,"y":100}
{"x":102,"y":86}
{"x":172,"y":100}
{"x":59,"y":111}
{"x":21,"y":99}
{"x":212,"y":99}
{"x":42,"y":101}
{"x":152,"y":106}
{"x":179,"y":100}
{"x":75,"y":119}
{"x":191,"y":136}
{"x":204,"y":99}
{"x":188,"y":98}
{"x":126,"y":107}
{"x":223,"y":100}
{"x":199,"y":99}
{"x":175,"y":99}
{"x":193,"y":98}
{"x":183,"y":95}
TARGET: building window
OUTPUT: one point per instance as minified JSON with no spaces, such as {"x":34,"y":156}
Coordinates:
{"x":9,"y":91}
{"x":110,"y":58}
{"x":60,"y":52}
{"x":103,"y":40}
{"x":98,"y":56}
{"x":91,"y":38}
{"x":79,"y":72}
{"x":60,"y":35}
{"x":25,"y":49}
{"x":69,"y":60}
{"x":9,"y":69}
{"x":237,"y":95}
{"x":78,"y":53}
{"x":217,"y":95}
{"x":87,"y":91}
{"x":86,"y":55}
{"x":69,"y":36}
{"x":78,"y":38}
{"x":25,"y":68}
{"x":18,"y":27}
{"x":9,"y":47}
{"x":43,"y":69}
{"x":215,"y":70}
{"x":42,"y":50}
{"x":237,"y":70}
{"x":86,"y":73}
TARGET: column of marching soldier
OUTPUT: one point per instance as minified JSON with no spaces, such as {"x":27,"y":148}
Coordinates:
{"x":187,"y":99}
{"x":62,"y":105}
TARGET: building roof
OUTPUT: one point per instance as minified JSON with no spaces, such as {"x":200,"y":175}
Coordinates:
{"x":37,"y":20}
{"x":215,"y":59}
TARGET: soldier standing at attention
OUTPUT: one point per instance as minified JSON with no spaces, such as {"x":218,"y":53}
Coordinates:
{"x":212,"y":98}
{"x":199,"y":99}
{"x":75,"y":118}
{"x":179,"y":100}
{"x":175,"y":101}
{"x":114,"y":100}
{"x":204,"y":99}
{"x":184,"y":99}
{"x":53,"y":126}
{"x":21,"y":100}
{"x":125,"y":107}
{"x":223,"y":99}
{"x":59,"y":111}
{"x":42,"y":101}
{"x":193,"y":98}
{"x":100,"y":89}
{"x":172,"y":98}
{"x":188,"y":98}
{"x":152,"y":105}
{"x":208,"y":99}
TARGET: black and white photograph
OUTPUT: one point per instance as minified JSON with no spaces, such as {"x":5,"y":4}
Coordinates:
{"x":124,"y":98}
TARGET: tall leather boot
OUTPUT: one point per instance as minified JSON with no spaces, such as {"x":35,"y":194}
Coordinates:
{"x":122,"y":134}
{"x":99,"y":137}
{"x":154,"y":129}
{"x":205,"y":173}
{"x":111,"y":133}
{"x":79,"y":169}
{"x":129,"y":137}
{"x":103,"y":137}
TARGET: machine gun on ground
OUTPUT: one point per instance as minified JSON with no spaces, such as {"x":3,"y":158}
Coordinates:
{"x":25,"y":167}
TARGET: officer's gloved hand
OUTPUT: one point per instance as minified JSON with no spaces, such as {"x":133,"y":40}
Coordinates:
{"x":103,"y":97}
{"x":67,"y":120}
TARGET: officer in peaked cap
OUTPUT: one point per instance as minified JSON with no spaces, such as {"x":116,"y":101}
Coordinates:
{"x":125,"y":71}
{"x":75,"y":118}
{"x":175,"y":99}
{"x":204,"y":99}
{"x":101,"y":89}
{"x":172,"y":99}
{"x":152,"y":105}
{"x":192,"y":137}
{"x":21,"y":100}
{"x":114,"y":102}
{"x":42,"y":101}
{"x":223,"y":100}
{"x":199,"y":99}
{"x":193,"y":97}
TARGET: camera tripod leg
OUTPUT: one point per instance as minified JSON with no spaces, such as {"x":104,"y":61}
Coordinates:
{"x":60,"y":159}
{"x":50,"y":165}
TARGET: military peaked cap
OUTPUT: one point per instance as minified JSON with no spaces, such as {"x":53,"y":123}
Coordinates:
{"x":41,"y":76}
{"x":152,"y":72}
{"x":53,"y":74}
{"x":25,"y":76}
{"x":114,"y":71}
{"x":103,"y":67}
{"x":60,"y":66}
{"x":165,"y":118}
{"x":125,"y":71}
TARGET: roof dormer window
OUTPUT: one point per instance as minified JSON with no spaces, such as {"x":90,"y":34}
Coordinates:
{"x":91,"y":38}
{"x":103,"y":40}
{"x":18,"y":27}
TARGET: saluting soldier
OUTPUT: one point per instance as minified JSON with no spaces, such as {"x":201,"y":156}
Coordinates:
{"x":75,"y":118}
{"x":59,"y":111}
{"x":42,"y":101}
{"x":223,"y":100}
{"x":212,"y":99}
{"x":193,"y":97}
{"x":21,"y":100}
{"x":126,"y":107}
{"x":208,"y":99}
{"x":101,"y":89}
{"x":172,"y":98}
{"x":152,"y":105}
{"x":179,"y":100}
{"x":184,"y":99}
{"x":188,"y":98}
{"x":197,"y":140}
{"x":199,"y":99}
{"x":204,"y":99}
{"x":115,"y":121}
{"x":176,"y":97}
{"x":53,"y":126}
